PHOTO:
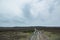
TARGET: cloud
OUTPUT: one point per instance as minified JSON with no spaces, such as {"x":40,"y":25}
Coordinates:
{"x":29,"y":12}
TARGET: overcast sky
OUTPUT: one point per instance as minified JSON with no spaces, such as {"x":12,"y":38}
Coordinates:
{"x":29,"y":13}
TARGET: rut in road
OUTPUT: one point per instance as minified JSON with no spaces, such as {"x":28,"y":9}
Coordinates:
{"x":38,"y":35}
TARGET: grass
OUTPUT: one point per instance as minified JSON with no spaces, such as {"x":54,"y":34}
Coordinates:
{"x":16,"y":35}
